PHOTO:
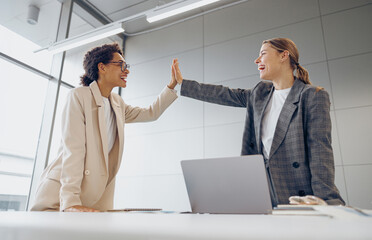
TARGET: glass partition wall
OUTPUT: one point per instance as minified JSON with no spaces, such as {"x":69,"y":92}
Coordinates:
{"x":32,"y":95}
{"x":22,"y":96}
{"x":24,"y":81}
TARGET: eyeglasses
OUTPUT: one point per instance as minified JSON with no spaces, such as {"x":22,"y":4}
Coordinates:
{"x":123,"y":65}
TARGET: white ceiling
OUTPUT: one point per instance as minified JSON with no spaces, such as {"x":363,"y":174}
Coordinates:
{"x":13,"y":14}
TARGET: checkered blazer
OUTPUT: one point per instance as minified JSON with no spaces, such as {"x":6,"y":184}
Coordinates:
{"x":301,"y":157}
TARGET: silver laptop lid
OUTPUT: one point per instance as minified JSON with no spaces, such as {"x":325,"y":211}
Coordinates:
{"x":228,"y":185}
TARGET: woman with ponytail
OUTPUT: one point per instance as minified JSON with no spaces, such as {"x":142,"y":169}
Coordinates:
{"x":82,"y":178}
{"x":288,"y":122}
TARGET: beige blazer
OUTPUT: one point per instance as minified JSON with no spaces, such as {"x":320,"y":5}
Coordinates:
{"x":84,"y":171}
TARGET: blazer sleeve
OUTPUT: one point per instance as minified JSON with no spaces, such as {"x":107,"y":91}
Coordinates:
{"x":73,"y":140}
{"x":154,"y":111}
{"x":215,"y":93}
{"x":319,"y":148}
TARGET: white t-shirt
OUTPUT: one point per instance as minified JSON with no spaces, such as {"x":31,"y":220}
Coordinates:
{"x":270,"y":118}
{"x":110,"y":123}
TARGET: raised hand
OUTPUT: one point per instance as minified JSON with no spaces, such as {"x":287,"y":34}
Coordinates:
{"x":176,"y":73}
{"x":173,"y":81}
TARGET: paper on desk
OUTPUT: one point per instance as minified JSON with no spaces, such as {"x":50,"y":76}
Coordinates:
{"x":297,"y":210}
{"x":295,"y":207}
{"x":136,"y":210}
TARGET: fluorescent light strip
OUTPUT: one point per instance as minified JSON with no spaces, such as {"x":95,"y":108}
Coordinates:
{"x":94,"y":35}
{"x":174,"y":9}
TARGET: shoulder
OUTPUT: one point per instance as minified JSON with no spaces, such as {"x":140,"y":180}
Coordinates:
{"x":263,"y":84}
{"x":79,"y":91}
{"x":262,"y":87}
{"x":77,"y":95}
{"x":314,"y":92}
{"x":313,"y":96}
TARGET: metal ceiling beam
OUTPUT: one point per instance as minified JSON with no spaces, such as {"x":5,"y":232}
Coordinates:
{"x":94,"y":11}
{"x":25,"y":66}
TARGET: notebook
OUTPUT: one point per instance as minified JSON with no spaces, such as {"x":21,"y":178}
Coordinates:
{"x":231,"y":185}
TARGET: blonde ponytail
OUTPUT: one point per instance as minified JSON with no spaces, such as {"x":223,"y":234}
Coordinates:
{"x":302,"y":74}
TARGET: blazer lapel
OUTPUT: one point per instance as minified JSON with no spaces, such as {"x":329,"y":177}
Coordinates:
{"x":119,"y":126}
{"x":101,"y":119}
{"x":289,"y":107}
{"x":260,"y":107}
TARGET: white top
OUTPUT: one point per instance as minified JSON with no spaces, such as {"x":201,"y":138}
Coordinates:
{"x":270,"y":118}
{"x":110,"y":123}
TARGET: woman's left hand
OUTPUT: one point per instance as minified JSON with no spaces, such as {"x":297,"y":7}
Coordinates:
{"x":173,"y":81}
{"x":306,"y":200}
{"x":78,"y":208}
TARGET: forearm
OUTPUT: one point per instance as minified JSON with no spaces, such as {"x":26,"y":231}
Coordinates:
{"x":72,"y":173}
{"x":214,"y":93}
{"x":71,"y":178}
{"x":323,"y":183}
{"x":154,"y":111}
{"x":172,"y":85}
{"x":74,"y":151}
{"x":319,"y":149}
{"x":322,"y":169}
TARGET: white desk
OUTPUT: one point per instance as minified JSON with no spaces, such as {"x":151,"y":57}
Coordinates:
{"x":341,"y":224}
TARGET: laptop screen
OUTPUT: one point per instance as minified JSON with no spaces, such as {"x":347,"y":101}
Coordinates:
{"x":231,"y":185}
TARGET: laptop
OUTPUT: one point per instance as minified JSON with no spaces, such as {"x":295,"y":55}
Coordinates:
{"x":230,"y":185}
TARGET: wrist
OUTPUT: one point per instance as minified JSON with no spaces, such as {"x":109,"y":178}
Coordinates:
{"x":171,"y":85}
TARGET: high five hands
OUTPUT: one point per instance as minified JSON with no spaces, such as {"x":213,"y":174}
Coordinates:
{"x":176,"y":75}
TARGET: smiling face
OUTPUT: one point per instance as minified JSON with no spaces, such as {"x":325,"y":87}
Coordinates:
{"x":112,"y":74}
{"x":269,"y":62}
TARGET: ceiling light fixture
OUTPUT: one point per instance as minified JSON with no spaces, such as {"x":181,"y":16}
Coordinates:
{"x":33,"y":14}
{"x":164,"y":11}
{"x":175,"y":8}
{"x":88,"y":37}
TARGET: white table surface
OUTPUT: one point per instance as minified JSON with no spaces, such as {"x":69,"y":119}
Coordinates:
{"x":329,"y":223}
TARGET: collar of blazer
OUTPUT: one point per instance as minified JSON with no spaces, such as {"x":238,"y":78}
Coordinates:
{"x":98,"y":97}
{"x":295,"y":93}
{"x":96,"y":93}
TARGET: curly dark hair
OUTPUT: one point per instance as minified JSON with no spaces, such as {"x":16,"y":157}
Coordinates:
{"x":102,"y":54}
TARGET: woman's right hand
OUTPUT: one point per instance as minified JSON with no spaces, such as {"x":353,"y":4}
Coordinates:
{"x":78,"y":208}
{"x":176,"y":73}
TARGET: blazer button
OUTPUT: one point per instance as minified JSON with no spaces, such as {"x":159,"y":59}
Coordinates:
{"x":86,"y":172}
{"x":296,"y":165}
{"x":251,"y":145}
{"x":301,"y":193}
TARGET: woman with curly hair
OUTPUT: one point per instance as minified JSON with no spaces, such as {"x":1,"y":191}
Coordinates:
{"x":82,"y":177}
